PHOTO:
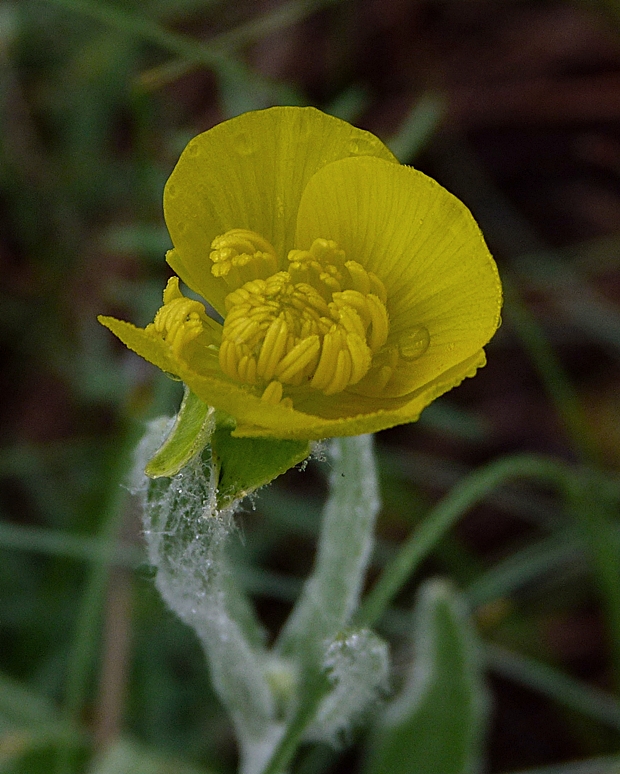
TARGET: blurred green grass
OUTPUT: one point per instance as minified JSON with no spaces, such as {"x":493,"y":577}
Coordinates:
{"x":96,"y":102}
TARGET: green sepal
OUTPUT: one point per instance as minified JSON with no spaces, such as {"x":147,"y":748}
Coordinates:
{"x":245,"y":464}
{"x":436,"y":725}
{"x":189,"y":436}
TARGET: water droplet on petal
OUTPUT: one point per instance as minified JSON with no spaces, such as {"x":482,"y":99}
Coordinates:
{"x":414,"y":343}
{"x":193,"y":149}
{"x":171,"y":189}
{"x":360,"y":146}
{"x":244,"y":144}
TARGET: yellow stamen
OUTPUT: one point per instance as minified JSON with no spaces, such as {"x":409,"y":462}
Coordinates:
{"x":317,"y":325}
{"x":341,"y":374}
{"x":380,"y":324}
{"x":377,"y":287}
{"x":298,"y":358}
{"x":351,"y":321}
{"x":359,"y":277}
{"x":272,"y":393}
{"x":327,"y":363}
{"x":322,"y":266}
{"x":360,"y":358}
{"x":273,"y":348}
{"x":180,"y":320}
{"x":241,"y":255}
{"x":247,"y":369}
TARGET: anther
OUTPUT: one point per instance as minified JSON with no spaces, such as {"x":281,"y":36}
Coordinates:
{"x":298,"y":358}
{"x":320,"y":323}
{"x":180,"y":320}
{"x":359,"y":277}
{"x":273,"y":348}
{"x":379,"y":323}
{"x":241,"y":255}
{"x":272,"y":393}
{"x":341,"y":374}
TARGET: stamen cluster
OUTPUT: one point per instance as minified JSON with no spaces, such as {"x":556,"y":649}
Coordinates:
{"x":318,"y":324}
{"x":180,"y":320}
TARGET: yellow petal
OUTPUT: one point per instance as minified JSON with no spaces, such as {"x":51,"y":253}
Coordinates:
{"x":213,"y":387}
{"x":318,"y":416}
{"x":424,"y":245}
{"x":149,"y":346}
{"x":250,"y":172}
{"x":348,"y":414}
{"x":295,"y":176}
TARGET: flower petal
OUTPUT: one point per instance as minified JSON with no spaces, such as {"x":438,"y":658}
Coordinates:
{"x":250,"y":172}
{"x":151,"y":346}
{"x":342,"y":414}
{"x":424,"y":245}
{"x":142,"y":342}
{"x":214,"y":388}
{"x":355,"y":414}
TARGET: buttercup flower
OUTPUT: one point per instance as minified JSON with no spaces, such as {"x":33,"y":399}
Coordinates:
{"x":353,"y":290}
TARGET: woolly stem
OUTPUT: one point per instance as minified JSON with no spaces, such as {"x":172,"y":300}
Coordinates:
{"x":186,"y":538}
{"x":331,"y":594}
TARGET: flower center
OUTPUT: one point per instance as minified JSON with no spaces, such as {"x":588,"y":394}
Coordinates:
{"x":318,"y":324}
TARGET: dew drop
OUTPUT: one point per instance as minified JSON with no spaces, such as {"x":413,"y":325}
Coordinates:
{"x":193,"y":149}
{"x":414,"y":343}
{"x":360,"y":146}
{"x":244,"y":144}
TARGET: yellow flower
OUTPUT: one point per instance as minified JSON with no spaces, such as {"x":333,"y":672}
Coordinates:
{"x":353,"y":290}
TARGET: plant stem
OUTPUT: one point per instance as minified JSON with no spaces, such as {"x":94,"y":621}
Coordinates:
{"x":331,"y":594}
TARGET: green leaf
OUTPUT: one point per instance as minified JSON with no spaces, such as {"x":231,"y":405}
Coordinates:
{"x":436,"y":724}
{"x":188,"y":437}
{"x":248,"y":463}
{"x":242,"y":464}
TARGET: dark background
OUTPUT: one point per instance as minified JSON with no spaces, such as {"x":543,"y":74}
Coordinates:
{"x":513,"y":106}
